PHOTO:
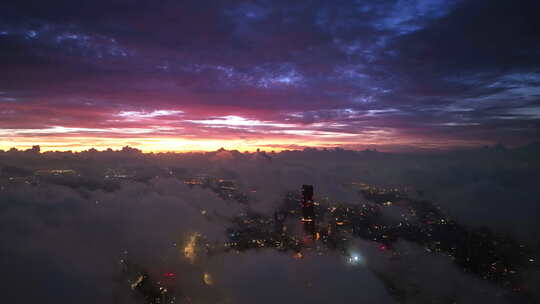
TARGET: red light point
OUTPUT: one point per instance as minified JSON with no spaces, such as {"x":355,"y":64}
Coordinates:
{"x":170,"y":275}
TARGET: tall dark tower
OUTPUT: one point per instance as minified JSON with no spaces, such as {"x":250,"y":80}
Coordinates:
{"x":308,"y":215}
{"x":308,"y":210}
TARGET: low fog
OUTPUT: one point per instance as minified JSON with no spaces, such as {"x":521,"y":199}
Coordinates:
{"x":65,"y":233}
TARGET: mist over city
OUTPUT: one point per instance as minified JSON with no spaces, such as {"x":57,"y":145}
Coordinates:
{"x":268,"y":151}
{"x":230,"y":227}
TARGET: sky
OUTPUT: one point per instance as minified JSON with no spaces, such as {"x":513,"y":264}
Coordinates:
{"x":200,"y":75}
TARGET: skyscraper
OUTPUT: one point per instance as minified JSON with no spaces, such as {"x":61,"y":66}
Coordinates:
{"x":308,"y":215}
{"x":308,"y":210}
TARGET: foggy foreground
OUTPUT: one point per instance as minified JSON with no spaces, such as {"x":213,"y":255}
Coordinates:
{"x":317,"y":226}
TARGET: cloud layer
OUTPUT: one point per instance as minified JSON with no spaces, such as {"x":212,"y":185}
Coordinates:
{"x":269,"y":74}
{"x":63,"y":238}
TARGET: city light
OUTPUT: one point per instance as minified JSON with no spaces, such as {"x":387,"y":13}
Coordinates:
{"x":208,"y":280}
{"x":355,"y":259}
{"x":190,"y":250}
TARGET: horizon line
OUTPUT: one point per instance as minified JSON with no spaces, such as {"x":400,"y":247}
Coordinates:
{"x":127,"y":148}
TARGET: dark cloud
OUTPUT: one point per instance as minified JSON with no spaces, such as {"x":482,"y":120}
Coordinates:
{"x":466,"y":72}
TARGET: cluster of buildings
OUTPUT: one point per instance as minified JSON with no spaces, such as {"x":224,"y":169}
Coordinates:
{"x":149,"y":289}
{"x":227,"y":189}
{"x":301,"y":224}
{"x":11,"y":175}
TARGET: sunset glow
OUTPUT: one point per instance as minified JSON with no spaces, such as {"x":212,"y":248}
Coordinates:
{"x":180,"y":131}
{"x":261,"y":76}
{"x":269,"y":151}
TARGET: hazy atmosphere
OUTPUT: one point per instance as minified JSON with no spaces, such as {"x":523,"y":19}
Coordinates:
{"x":240,"y":152}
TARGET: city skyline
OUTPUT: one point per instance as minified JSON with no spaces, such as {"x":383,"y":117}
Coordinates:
{"x":220,"y":227}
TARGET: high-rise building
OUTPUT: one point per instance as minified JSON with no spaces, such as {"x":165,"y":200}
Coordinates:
{"x":308,"y":215}
{"x":308,"y":207}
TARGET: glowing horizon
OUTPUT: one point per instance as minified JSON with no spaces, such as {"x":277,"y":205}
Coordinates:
{"x":157,"y":145}
{"x":272,"y":77}
{"x":188,"y":130}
